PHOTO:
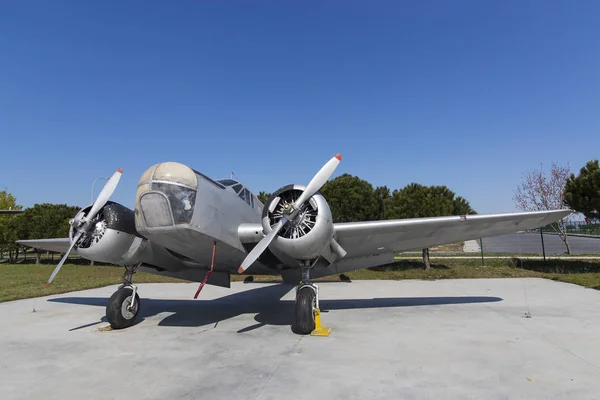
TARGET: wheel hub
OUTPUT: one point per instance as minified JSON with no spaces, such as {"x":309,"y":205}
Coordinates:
{"x":126,"y":310}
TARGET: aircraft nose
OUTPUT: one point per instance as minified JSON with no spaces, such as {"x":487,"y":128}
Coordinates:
{"x":166,"y":195}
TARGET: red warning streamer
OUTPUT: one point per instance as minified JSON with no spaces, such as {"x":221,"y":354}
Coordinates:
{"x":212,"y":267}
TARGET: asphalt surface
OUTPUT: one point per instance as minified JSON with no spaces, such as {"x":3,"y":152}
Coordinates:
{"x":531,"y":243}
{"x":451,"y":339}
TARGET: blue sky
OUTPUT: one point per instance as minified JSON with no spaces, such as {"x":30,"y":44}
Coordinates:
{"x":468,"y":94}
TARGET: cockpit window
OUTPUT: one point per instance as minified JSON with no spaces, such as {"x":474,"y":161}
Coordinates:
{"x":181,"y":200}
{"x":241,"y":191}
{"x":227,"y":182}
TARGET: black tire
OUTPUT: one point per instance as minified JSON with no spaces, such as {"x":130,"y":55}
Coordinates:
{"x":116,"y":309}
{"x":305,"y":315}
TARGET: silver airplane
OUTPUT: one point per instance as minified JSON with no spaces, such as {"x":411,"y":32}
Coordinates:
{"x":189,"y":226}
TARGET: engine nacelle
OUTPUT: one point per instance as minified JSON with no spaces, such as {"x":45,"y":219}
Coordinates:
{"x":310,"y":234}
{"x":112,"y":237}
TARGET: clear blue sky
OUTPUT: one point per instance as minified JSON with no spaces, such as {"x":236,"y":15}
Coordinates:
{"x":468,"y":94}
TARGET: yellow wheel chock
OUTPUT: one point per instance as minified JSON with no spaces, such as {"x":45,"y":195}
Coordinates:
{"x":319,"y":330}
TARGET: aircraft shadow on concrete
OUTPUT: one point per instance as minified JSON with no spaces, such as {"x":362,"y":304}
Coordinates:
{"x":265,"y":302}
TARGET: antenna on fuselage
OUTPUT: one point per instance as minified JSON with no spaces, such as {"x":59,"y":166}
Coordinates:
{"x":234,"y":177}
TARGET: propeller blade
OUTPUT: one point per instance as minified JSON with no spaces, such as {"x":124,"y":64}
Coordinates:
{"x":262,"y":246}
{"x":62,"y":260}
{"x":319,"y":180}
{"x":105,"y":194}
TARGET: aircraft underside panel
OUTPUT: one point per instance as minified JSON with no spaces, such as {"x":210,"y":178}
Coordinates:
{"x":191,"y":246}
{"x":217,"y":278}
{"x":345,"y":265}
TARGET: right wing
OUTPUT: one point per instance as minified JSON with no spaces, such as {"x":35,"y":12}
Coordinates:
{"x":361,"y":239}
{"x":60,"y":245}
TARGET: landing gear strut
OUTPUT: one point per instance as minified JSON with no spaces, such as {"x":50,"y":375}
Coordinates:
{"x":308,"y":319}
{"x":124,"y":305}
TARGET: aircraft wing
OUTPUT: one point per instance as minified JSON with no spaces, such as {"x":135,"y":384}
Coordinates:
{"x":60,"y":245}
{"x":375,"y":237}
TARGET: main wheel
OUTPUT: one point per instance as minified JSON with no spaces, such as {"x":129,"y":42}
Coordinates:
{"x":117,"y":310}
{"x":305,"y":311}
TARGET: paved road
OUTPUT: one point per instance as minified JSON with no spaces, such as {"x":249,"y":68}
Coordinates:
{"x":450,"y":339}
{"x":531,"y":243}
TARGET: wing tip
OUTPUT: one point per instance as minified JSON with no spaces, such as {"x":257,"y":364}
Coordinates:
{"x":338,"y":156}
{"x":120,"y":170}
{"x":240,"y":270}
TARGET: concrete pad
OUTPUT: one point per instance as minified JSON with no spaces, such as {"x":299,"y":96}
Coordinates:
{"x":471,"y":246}
{"x":476,"y":339}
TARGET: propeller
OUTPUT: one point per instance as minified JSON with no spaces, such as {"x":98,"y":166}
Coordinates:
{"x":315,"y":184}
{"x":82,"y":225}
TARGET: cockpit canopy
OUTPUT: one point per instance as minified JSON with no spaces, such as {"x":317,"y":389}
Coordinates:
{"x":242,"y":192}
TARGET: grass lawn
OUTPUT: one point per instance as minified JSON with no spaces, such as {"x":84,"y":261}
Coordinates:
{"x":21,"y":281}
{"x":28,"y":280}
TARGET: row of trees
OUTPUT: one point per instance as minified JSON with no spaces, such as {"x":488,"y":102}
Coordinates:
{"x":41,"y":221}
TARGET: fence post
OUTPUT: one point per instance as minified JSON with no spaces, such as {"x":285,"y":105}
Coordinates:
{"x":481,"y":248}
{"x":543,"y":248}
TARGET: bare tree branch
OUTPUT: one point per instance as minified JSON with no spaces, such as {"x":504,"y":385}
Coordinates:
{"x":540,"y":191}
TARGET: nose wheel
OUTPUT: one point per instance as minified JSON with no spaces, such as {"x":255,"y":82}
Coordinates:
{"x":123,"y":308}
{"x":124,"y":305}
{"x":306,"y":303}
{"x":308,"y":316}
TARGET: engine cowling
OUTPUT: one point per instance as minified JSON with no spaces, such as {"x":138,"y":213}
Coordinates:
{"x":112,"y":237}
{"x":310,"y":234}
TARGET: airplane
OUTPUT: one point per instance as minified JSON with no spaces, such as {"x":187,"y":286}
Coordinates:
{"x":189,"y":226}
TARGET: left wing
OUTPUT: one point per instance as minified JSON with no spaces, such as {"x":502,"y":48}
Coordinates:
{"x":60,"y":245}
{"x":361,"y":239}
